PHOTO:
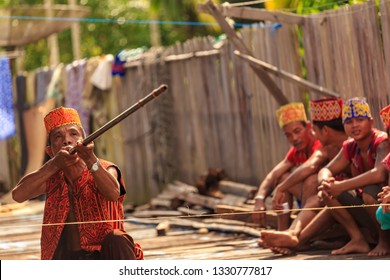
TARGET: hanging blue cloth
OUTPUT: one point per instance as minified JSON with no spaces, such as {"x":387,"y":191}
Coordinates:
{"x":7,"y":118}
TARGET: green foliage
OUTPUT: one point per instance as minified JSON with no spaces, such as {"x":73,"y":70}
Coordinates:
{"x":181,"y":11}
{"x":316,"y":6}
{"x":114,"y":25}
{"x":308,"y":6}
{"x":110,"y":37}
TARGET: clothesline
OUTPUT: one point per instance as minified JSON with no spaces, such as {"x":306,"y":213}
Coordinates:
{"x":119,"y":21}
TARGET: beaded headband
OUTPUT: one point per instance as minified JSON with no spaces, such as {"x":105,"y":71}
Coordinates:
{"x":356,"y":108}
{"x":385,"y":116}
{"x":59,"y":117}
{"x":326,"y":109}
{"x":292,"y":112}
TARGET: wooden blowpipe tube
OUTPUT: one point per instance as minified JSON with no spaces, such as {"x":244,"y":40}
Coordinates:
{"x":156,"y":92}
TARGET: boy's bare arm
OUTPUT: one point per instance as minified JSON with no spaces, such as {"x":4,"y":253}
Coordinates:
{"x":376,"y":175}
{"x":337,"y":165}
{"x":266,"y":188}
{"x":267,"y":185}
{"x":309,"y":167}
{"x":381,"y":152}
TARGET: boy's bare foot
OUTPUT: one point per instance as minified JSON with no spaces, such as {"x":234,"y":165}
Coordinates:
{"x":281,"y":250}
{"x":281,"y":239}
{"x":261,"y":243}
{"x":353,"y":246}
{"x":382,"y":249}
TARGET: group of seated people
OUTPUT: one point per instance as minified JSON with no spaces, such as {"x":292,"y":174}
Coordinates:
{"x":337,"y":171}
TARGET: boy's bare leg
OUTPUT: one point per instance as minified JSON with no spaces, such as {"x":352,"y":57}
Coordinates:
{"x":383,"y":246}
{"x":289,"y":238}
{"x":358,"y":243}
{"x":284,"y":219}
{"x":318,"y":224}
{"x":321,"y":222}
{"x":305,"y":192}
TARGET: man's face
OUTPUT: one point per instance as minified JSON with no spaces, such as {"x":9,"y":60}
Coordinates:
{"x":320,"y":135}
{"x":65,"y":137}
{"x":298,"y":135}
{"x":358,"y":128}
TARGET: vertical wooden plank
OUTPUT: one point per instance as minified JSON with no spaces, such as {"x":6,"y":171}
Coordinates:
{"x":211,"y":93}
{"x":228,"y":141}
{"x":182,"y":115}
{"x":269,"y":143}
{"x":149,"y":129}
{"x":374,"y":72}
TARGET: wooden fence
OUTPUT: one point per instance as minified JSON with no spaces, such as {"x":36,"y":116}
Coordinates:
{"x":217,"y":113}
{"x":344,"y":52}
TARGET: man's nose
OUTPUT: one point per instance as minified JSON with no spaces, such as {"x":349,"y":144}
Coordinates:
{"x":67,"y":141}
{"x":354,"y":122}
{"x":295,"y":137}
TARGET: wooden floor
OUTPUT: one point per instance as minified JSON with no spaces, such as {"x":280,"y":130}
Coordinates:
{"x":20,"y":233}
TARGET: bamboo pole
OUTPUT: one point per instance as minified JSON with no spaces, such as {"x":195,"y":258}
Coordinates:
{"x":76,"y":42}
{"x":240,"y":46}
{"x":284,"y":74}
{"x":257,"y":14}
{"x":52,"y":39}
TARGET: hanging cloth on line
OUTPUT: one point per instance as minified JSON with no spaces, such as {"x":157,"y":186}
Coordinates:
{"x":7,"y":118}
{"x":75,"y":77}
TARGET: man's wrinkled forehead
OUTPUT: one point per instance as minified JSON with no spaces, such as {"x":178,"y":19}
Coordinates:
{"x":293,"y":126}
{"x":62,"y":130}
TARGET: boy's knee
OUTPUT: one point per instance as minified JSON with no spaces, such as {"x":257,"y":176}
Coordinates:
{"x":118,"y":245}
{"x":327,"y":200}
{"x":118,"y":238}
{"x":368,"y":199}
{"x":311,"y":181}
{"x":313,"y":201}
{"x":370,"y":194}
{"x":309,"y":187}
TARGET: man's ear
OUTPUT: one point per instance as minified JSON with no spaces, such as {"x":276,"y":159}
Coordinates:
{"x":48,"y":151}
{"x":325,"y":129}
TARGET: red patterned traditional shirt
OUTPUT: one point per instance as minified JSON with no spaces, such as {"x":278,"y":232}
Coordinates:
{"x":352,"y":152}
{"x":89,"y":205}
{"x":299,"y":157}
{"x":386,"y":162}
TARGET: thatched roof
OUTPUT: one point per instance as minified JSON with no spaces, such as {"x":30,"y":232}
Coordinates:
{"x":22,"y":25}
